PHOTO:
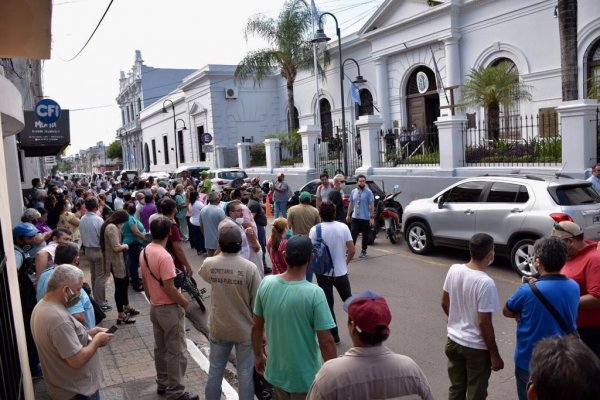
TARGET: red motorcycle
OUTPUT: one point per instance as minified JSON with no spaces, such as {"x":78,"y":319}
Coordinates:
{"x":388,"y":216}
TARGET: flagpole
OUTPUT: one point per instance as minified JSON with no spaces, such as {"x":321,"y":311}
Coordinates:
{"x":439,"y":76}
{"x":315,"y":16}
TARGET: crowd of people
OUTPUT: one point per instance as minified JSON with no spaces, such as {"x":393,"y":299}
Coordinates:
{"x":282,"y":325}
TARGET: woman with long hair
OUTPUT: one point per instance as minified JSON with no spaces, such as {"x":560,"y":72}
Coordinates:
{"x":112,"y":250}
{"x":133,"y":236}
{"x":276,"y":245}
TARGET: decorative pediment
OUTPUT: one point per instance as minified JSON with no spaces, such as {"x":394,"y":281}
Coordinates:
{"x":197,"y":108}
{"x":391,"y":12}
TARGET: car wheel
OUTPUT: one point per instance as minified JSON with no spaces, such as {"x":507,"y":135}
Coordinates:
{"x":418,"y":238}
{"x":521,"y":258}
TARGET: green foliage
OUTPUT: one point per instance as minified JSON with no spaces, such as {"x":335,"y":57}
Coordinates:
{"x":291,"y":141}
{"x":63,"y":166}
{"x":593,"y":88}
{"x":545,"y":150}
{"x":258,"y":155}
{"x":114,"y":151}
{"x":489,"y":86}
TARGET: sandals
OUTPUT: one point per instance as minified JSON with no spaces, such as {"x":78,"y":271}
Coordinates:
{"x":127,"y":320}
{"x":131,"y":311}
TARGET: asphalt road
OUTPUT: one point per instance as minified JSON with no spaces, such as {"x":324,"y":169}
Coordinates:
{"x":412,"y":285}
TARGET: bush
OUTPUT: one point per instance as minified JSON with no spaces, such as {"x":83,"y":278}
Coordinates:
{"x":258,"y":155}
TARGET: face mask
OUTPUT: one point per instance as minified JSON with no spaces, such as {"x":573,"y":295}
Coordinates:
{"x":73,"y":300}
{"x":239,"y":221}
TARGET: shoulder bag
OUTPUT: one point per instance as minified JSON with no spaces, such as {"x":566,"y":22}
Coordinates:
{"x":553,"y":311}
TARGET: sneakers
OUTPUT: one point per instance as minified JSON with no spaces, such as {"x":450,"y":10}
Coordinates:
{"x":363,"y":254}
{"x":106,"y":307}
{"x":187,"y":396}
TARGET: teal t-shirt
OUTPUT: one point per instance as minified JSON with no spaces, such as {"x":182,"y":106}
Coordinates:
{"x":128,"y":235}
{"x":180,"y":201}
{"x":293,"y":313}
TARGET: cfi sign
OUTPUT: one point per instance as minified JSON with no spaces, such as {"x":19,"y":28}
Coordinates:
{"x":47,"y":111}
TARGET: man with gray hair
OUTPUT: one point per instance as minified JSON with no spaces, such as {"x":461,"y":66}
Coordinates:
{"x":68,"y":353}
{"x":336,"y":196}
{"x":210,"y":217}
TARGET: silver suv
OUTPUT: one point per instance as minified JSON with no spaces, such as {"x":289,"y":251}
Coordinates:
{"x":514,"y":209}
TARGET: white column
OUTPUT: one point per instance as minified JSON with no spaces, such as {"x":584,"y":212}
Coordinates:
{"x":309,"y":135}
{"x":452,"y":70}
{"x":272,"y":153}
{"x":577,"y":120}
{"x":383,"y":93}
{"x":451,"y":150}
{"x":243,"y":150}
{"x":369,"y":126}
{"x":219,"y":157}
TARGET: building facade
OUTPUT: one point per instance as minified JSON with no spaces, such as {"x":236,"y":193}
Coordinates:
{"x":142,"y":86}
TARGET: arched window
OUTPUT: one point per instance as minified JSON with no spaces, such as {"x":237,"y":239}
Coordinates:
{"x":296,"y":123}
{"x":593,"y":71}
{"x":366,"y":103}
{"x":326,"y":122}
{"x":509,"y":114}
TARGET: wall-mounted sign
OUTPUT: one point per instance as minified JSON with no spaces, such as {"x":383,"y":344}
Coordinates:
{"x":206,"y":138}
{"x":422,"y":82}
{"x":47,"y":130}
{"x":207,"y":148}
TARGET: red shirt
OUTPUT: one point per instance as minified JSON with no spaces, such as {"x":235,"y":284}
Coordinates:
{"x":584,"y":269}
{"x":175,"y":237}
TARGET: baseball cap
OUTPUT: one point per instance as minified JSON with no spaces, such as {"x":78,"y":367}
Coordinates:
{"x":304,"y":196}
{"x":25,"y":229}
{"x":204,"y":173}
{"x":229,"y":234}
{"x":566,"y":230}
{"x":298,"y":249}
{"x":280,"y":174}
{"x":369,"y":312}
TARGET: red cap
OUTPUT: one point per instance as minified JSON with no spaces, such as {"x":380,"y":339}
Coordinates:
{"x":369,"y":312}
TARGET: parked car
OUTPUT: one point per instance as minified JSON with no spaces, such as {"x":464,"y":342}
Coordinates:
{"x":131,"y":173}
{"x":514,"y":209}
{"x":312,"y":186}
{"x":194,"y":171}
{"x":157,"y":175}
{"x":226,"y":177}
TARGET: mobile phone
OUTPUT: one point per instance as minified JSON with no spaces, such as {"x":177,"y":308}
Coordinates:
{"x":112,"y":329}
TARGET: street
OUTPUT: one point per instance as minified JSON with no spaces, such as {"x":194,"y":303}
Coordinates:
{"x":412,"y":285}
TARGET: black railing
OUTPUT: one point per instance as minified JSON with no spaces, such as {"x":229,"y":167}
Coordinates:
{"x":11,"y":378}
{"x":329,"y":153}
{"x":397,"y":148}
{"x":513,"y":141}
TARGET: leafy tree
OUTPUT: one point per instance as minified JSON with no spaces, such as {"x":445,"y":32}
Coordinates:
{"x":290,"y":49}
{"x":492,"y":87}
{"x":114,"y":151}
{"x":567,"y":28}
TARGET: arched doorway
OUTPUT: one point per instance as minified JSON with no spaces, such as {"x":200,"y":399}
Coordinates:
{"x":146,"y":158}
{"x":422,"y":100}
{"x":326,"y":122}
{"x":593,"y":71}
{"x":366,"y":103}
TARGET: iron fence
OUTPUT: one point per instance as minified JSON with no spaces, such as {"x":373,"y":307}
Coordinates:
{"x":11,"y":378}
{"x":329,"y":152}
{"x":515,"y":141}
{"x":400,"y":147}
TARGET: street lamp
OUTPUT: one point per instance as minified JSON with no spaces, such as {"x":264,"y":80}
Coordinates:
{"x":321,"y":37}
{"x":164,"y":109}
{"x":184,"y":128}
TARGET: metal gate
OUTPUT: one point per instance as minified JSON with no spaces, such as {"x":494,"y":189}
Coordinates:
{"x":329,"y":153}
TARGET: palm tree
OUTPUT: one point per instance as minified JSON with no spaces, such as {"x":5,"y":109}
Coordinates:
{"x":567,"y":25}
{"x":491,"y":87}
{"x":290,"y":49}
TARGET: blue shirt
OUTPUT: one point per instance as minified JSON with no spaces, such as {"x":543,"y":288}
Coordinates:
{"x":84,"y":306}
{"x":128,"y":235}
{"x":536,"y":321}
{"x":361,"y":209}
{"x":595,"y":183}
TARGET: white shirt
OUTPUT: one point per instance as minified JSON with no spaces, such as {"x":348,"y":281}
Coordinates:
{"x":119,"y":203}
{"x":195,"y":212}
{"x":335,"y":235}
{"x":471,"y":292}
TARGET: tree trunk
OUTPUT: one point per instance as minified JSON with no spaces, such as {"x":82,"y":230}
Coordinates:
{"x":493,"y":121}
{"x":567,"y":27}
{"x":292,"y":125}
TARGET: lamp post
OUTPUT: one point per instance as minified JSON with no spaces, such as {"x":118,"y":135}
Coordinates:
{"x":164,"y":110}
{"x":321,"y":37}
{"x":184,"y":128}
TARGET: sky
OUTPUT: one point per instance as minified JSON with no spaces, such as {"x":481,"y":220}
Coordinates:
{"x":170,"y":34}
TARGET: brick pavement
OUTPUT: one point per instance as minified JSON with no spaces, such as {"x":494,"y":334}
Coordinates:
{"x":128,"y":360}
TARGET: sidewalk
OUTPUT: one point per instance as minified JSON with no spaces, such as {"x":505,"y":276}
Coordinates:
{"x":128,"y":360}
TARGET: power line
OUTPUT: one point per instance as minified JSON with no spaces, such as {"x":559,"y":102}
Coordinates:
{"x":92,"y":35}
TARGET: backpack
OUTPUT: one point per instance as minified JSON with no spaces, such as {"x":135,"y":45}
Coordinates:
{"x":321,"y":262}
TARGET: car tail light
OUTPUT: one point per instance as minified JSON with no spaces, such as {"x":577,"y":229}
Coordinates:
{"x":560,"y":217}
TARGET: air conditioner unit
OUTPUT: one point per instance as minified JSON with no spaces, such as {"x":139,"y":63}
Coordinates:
{"x":231,"y":93}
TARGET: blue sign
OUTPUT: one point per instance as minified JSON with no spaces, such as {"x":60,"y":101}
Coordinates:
{"x":206,"y":138}
{"x":47,"y":111}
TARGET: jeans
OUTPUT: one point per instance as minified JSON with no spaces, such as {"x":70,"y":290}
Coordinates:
{"x":133,"y":263}
{"x":360,"y":226}
{"x":219,"y":354}
{"x":521,"y":378}
{"x":262,"y":240}
{"x":94,"y":396}
{"x":281,"y":209}
{"x":469,"y":371}
{"x":342,"y":285}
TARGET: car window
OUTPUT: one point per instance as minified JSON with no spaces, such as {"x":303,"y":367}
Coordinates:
{"x":468,"y":192}
{"x":211,"y":175}
{"x":311,"y":187}
{"x":576,"y":195}
{"x":502,"y":192}
{"x":233,"y":174}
